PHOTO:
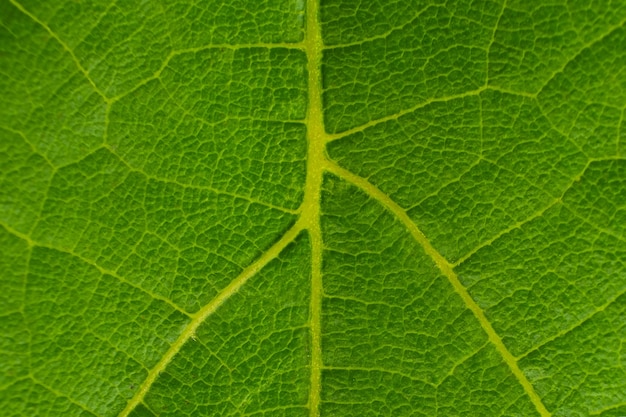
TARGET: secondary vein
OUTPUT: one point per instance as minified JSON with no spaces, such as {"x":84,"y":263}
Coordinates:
{"x":201,"y":315}
{"x":447,"y":270}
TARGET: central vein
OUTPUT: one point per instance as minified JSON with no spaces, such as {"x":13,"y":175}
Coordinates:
{"x":311,"y":205}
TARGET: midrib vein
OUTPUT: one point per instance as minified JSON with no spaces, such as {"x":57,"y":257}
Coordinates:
{"x":309,"y":219}
{"x":316,"y":138}
{"x":200,"y":316}
{"x":447,"y":270}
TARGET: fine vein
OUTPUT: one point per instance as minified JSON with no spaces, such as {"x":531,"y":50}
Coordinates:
{"x":447,"y":270}
{"x":64,"y":46}
{"x":104,"y":271}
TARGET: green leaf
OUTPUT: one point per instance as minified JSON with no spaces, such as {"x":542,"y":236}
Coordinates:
{"x":290,"y":208}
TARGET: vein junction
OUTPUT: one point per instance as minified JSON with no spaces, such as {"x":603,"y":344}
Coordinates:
{"x":309,"y":219}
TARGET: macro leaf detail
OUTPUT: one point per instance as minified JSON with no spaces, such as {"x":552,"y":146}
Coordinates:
{"x":312,"y":208}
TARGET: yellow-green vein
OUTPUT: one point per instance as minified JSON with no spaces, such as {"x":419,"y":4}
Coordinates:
{"x":200,"y":316}
{"x":63,"y":45}
{"x":311,"y":206}
{"x":446,"y":269}
{"x":104,"y":271}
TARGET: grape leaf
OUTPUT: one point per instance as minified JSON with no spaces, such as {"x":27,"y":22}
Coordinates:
{"x":289,"y":208}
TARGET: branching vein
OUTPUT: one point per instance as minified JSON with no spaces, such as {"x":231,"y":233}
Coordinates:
{"x":64,"y":46}
{"x":202,"y":314}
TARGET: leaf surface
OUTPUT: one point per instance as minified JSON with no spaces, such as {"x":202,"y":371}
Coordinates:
{"x":289,"y":208}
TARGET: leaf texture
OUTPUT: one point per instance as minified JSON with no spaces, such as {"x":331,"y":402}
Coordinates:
{"x":320,"y":208}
